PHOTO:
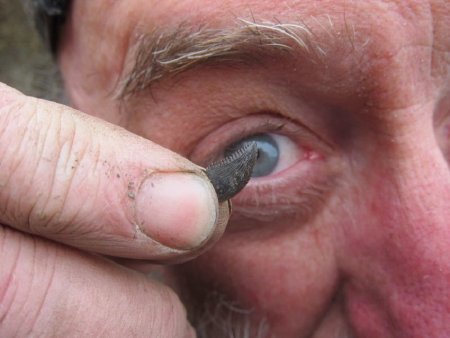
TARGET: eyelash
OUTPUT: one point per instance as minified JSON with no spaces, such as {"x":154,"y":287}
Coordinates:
{"x":265,"y":197}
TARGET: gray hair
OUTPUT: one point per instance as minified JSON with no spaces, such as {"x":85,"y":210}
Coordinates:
{"x":48,"y":16}
{"x":165,"y":52}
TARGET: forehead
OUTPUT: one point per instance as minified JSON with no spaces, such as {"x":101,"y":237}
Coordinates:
{"x":409,"y":37}
{"x":132,"y":14}
{"x":118,"y":23}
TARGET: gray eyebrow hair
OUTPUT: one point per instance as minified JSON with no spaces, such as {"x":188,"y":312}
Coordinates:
{"x":161,"y":54}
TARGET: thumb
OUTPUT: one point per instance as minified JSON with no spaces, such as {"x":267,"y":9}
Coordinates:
{"x":81,"y":181}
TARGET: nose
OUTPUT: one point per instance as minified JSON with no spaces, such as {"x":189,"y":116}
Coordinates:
{"x":396,"y":247}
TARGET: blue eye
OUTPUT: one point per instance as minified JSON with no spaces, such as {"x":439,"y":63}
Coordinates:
{"x":268,"y":153}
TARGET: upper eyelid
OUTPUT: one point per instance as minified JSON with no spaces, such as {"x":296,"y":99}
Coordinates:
{"x":211,"y":147}
{"x":246,"y":133}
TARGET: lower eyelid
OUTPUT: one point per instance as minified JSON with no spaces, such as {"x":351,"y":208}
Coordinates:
{"x":298,"y":193}
{"x":301,"y":181}
{"x":297,"y":176}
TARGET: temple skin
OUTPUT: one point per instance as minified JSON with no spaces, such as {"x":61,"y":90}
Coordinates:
{"x":351,"y":240}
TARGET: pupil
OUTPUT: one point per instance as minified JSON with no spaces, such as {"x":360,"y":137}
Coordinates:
{"x":268,"y":153}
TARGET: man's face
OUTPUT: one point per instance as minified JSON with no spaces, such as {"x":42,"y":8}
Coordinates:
{"x":344,"y":230}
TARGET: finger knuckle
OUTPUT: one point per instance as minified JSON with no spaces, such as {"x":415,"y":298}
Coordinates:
{"x":24,"y":136}
{"x":42,"y":180}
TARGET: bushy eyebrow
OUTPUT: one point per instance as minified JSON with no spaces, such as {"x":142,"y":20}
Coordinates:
{"x":165,"y":53}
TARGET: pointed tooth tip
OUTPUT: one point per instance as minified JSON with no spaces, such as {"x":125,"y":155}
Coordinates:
{"x":230,"y":175}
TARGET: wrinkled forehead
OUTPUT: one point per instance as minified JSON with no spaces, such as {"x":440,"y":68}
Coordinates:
{"x":364,"y":30}
{"x":128,"y":17}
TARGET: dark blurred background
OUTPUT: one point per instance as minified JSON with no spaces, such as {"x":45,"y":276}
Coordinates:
{"x":25,"y":64}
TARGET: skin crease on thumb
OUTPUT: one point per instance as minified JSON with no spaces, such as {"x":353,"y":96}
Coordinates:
{"x":71,"y":184}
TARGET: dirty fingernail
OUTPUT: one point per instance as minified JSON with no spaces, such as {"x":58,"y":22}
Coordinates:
{"x":179,"y":210}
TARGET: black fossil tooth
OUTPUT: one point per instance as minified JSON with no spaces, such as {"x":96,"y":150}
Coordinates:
{"x":230,"y":175}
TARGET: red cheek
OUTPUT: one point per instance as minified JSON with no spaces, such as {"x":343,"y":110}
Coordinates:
{"x":393,"y":252}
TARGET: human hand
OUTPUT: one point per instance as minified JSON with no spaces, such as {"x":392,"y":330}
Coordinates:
{"x":70,"y":180}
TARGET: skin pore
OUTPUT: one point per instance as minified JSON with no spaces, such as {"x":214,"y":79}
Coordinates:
{"x":350,"y":235}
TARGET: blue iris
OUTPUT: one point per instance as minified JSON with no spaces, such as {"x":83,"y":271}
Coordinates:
{"x":268,"y":153}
